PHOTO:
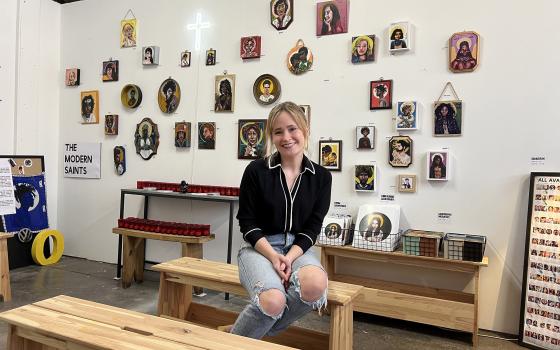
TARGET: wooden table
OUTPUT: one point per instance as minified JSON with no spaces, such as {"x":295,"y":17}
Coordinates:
{"x":5,"y":289}
{"x":69,"y":323}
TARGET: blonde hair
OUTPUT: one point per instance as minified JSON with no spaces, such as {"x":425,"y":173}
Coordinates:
{"x":296,"y":113}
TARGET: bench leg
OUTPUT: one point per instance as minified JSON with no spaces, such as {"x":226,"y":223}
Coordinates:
{"x":341,"y":333}
{"x":193,"y":250}
{"x":174,"y":298}
{"x":5,"y":289}
{"x":133,"y":260}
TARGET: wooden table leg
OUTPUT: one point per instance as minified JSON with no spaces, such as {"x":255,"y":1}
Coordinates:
{"x":174,"y":298}
{"x":5,"y":289}
{"x":133,"y":260}
{"x":193,"y":250}
{"x":475,"y":326}
{"x":341,"y":334}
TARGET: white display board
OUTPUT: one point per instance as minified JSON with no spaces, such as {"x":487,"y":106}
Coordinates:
{"x":7,"y":199}
{"x":82,"y":160}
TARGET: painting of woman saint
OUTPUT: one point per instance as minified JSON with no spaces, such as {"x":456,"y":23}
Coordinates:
{"x":463,"y":51}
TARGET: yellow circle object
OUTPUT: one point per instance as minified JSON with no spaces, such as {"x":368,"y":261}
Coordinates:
{"x":37,"y":249}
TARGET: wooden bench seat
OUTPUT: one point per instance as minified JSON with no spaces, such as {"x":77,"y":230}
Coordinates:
{"x":64,"y":322}
{"x":175,"y":300}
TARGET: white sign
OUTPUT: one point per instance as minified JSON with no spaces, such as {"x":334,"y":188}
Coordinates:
{"x":444,"y":218}
{"x":7,"y":199}
{"x":82,"y":160}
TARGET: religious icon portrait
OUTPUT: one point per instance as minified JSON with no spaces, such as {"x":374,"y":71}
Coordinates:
{"x":300,"y":58}
{"x":169,"y":96}
{"x":206,"y":135}
{"x":399,"y":37}
{"x":250,"y":47}
{"x":224,"y":93}
{"x":407,"y":116}
{"x":185,"y":59}
{"x":131,"y":96}
{"x":266,"y":89}
{"x":307,"y":111}
{"x":365,"y":178}
{"x":72,"y":77}
{"x":119,"y":159}
{"x":90,"y":107}
{"x":332,"y":17}
{"x":400,"y":151}
{"x":150,"y":55}
{"x":448,"y":116}
{"x":281,"y":13}
{"x":463,"y":51}
{"x":210,"y":57}
{"x":251,"y":143}
{"x":331,"y":154}
{"x":406,"y":183}
{"x":381,"y":96}
{"x":333,"y":230}
{"x":128,"y":33}
{"x":146,"y":138}
{"x":374,"y":226}
{"x":438,"y":165}
{"x":110,"y":71}
{"x":182,"y":134}
{"x":365,"y":137}
{"x":111,"y":124}
{"x":363,"y":48}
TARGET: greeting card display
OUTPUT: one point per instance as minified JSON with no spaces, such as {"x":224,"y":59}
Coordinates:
{"x":336,"y":230}
{"x":377,"y":227}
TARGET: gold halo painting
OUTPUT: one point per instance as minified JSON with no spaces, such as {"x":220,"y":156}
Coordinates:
{"x":131,"y":96}
{"x":266,"y":89}
{"x":251,"y":143}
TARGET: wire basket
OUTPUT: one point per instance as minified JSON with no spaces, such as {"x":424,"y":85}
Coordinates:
{"x":335,"y":237}
{"x":458,"y":246}
{"x":422,"y":243}
{"x":386,"y":242}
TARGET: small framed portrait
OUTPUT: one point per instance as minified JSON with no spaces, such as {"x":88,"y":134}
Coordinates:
{"x":146,"y":138}
{"x":407,"y":115}
{"x":250,"y":47}
{"x":363,"y":48}
{"x":332,"y":17}
{"x":281,"y":13}
{"x":448,"y":116}
{"x":119,"y":159}
{"x":111,"y":124}
{"x":365,"y":178}
{"x":406,"y":183}
{"x":299,"y":59}
{"x":365,"y":137}
{"x":128,"y":33}
{"x":439,"y":165}
{"x":399,"y":34}
{"x":224,"y":93}
{"x":463,"y":51}
{"x":400,"y":151}
{"x":150,"y":55}
{"x":110,"y":71}
{"x":90,"y":107}
{"x":169,"y":96}
{"x":307,"y":111}
{"x":185,"y":59}
{"x":211,"y":57}
{"x":72,"y":77}
{"x":131,"y":96}
{"x":331,"y":154}
{"x":206,"y":135}
{"x":266,"y":89}
{"x":182,"y":134}
{"x":251,"y":141}
{"x":381,"y":94}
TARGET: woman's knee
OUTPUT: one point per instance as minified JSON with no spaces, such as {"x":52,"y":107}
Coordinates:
{"x":272,"y":302}
{"x":313,"y":282}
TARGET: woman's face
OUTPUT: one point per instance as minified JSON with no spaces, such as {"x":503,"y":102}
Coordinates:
{"x":374,"y":224}
{"x":361,"y":48}
{"x":444,"y":111}
{"x":148,"y":54}
{"x":287,"y":137}
{"x":328,"y":14}
{"x":252,"y":137}
{"x":128,"y":31}
{"x":398,"y":35}
{"x":281,"y":9}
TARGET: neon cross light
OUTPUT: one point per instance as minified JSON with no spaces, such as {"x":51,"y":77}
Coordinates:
{"x":198,"y":26}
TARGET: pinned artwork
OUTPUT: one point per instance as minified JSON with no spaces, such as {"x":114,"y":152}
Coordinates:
{"x":400,"y":151}
{"x":111,"y":124}
{"x":206,"y":135}
{"x":300,"y":58}
{"x":250,"y":47}
{"x":266,"y":89}
{"x":120,"y":160}
{"x":131,"y":96}
{"x":224,"y":93}
{"x":381,"y":95}
{"x":363,"y":48}
{"x":150,"y":55}
{"x":251,"y":142}
{"x":110,"y":71}
{"x":407,"y":116}
{"x":72,"y":77}
{"x":447,"y":118}
{"x":377,"y":227}
{"x":331,"y":154}
{"x":169,"y":96}
{"x":210,"y":57}
{"x":438,"y":165}
{"x":365,"y":178}
{"x":128,"y":33}
{"x":399,"y":37}
{"x":281,"y":13}
{"x":307,"y":111}
{"x":146,"y":138}
{"x":90,"y":107}
{"x":406,"y":183}
{"x":365,"y":137}
{"x":332,"y":17}
{"x":182,"y":134}
{"x":463,"y":51}
{"x":185,"y":59}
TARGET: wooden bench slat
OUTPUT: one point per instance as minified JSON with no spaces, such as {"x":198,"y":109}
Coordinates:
{"x":163,"y":236}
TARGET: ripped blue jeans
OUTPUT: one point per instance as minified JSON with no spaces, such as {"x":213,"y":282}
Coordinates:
{"x":257,"y":275}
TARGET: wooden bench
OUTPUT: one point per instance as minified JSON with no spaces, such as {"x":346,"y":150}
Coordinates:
{"x":5,"y":289}
{"x":69,"y":323}
{"x":175,"y":300}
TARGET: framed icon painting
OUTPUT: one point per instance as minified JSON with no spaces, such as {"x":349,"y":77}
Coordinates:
{"x":400,"y":151}
{"x":381,"y":94}
{"x":128,"y":33}
{"x":111,"y":124}
{"x":363,"y":48}
{"x":131,"y":96}
{"x":299,"y":59}
{"x":250,"y":47}
{"x":365,"y":137}
{"x":448,"y":117}
{"x":406,"y":183}
{"x":90,"y":107}
{"x":206,"y":135}
{"x":463,"y":52}
{"x":185,"y":59}
{"x":365,"y":178}
{"x":281,"y":13}
{"x":399,"y":37}
{"x":119,"y":157}
{"x":211,"y":57}
{"x":266,"y":89}
{"x":146,"y":138}
{"x":110,"y":71}
{"x":407,"y":115}
{"x":150,"y":55}
{"x":331,"y":154}
{"x":332,"y":17}
{"x":224,"y":93}
{"x":251,"y":138}
{"x":438,"y":165}
{"x":182,"y":134}
{"x":72,"y":77}
{"x":169,"y":96}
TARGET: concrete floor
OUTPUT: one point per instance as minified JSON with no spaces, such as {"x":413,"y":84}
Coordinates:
{"x":95,"y":281}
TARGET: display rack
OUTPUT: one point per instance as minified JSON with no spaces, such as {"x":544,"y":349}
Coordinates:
{"x":434,"y":306}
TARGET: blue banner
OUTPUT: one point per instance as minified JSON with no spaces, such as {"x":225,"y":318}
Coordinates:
{"x":31,"y":205}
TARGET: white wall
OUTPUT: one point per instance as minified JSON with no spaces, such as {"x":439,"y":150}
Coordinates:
{"x":8,"y":26}
{"x":510,"y":115}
